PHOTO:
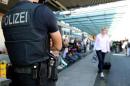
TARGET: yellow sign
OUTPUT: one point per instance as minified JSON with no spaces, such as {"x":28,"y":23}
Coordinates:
{"x":3,"y":66}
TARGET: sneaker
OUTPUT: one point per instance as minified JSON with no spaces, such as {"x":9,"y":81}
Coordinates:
{"x":102,"y":75}
{"x":59,"y":67}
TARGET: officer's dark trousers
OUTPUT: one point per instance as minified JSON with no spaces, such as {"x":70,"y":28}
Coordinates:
{"x":101,"y":57}
{"x":19,"y":79}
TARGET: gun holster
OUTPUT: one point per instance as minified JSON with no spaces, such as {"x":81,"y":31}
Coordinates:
{"x":52,"y":67}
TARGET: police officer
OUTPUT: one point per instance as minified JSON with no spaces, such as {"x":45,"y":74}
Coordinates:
{"x":28,"y":27}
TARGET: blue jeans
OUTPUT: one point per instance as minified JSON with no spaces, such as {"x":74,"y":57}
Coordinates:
{"x":101,"y":57}
{"x":128,"y":51}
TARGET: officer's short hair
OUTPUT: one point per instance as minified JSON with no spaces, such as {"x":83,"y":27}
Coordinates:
{"x":23,"y":0}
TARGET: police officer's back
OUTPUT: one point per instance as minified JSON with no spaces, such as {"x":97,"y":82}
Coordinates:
{"x":27,"y":29}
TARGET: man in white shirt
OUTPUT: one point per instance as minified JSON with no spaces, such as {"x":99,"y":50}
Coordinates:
{"x":102,"y":46}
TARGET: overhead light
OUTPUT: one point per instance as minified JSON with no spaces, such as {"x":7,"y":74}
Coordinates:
{"x":65,"y":13}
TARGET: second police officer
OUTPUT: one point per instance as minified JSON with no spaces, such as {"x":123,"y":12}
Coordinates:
{"x":28,"y":27}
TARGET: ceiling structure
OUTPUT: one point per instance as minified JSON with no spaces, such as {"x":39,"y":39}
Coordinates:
{"x":90,"y":22}
{"x":83,"y":3}
{"x":61,"y":4}
{"x":92,"y":19}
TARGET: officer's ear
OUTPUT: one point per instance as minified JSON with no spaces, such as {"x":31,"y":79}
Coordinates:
{"x":40,"y":1}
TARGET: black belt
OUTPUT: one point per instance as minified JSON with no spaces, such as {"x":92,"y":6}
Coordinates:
{"x":26,"y":70}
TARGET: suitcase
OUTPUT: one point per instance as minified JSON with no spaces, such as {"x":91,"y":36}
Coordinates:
{"x":107,"y":65}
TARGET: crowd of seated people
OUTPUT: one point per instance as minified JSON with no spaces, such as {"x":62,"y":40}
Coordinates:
{"x":71,"y":52}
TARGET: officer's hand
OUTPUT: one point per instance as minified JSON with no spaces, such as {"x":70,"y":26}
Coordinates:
{"x":55,"y":53}
{"x":51,"y":45}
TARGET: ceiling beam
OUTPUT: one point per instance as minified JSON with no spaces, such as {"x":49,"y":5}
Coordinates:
{"x":76,"y":23}
{"x":84,"y":28}
{"x":57,"y":4}
{"x":101,"y":19}
{"x":87,"y":28}
{"x":65,"y":18}
{"x":110,"y":14}
{"x":92,"y":22}
{"x":54,"y":5}
{"x":93,"y":25}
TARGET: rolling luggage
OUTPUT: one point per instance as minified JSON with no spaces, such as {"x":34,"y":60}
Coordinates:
{"x":107,"y":63}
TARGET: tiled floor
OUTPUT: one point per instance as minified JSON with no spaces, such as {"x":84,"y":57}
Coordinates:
{"x":119,"y":75}
{"x":82,"y":73}
{"x":120,"y":72}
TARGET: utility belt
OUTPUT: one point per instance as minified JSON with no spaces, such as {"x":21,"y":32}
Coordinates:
{"x":34,"y":70}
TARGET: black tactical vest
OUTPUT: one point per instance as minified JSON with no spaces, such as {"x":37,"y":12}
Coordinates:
{"x":24,"y":43}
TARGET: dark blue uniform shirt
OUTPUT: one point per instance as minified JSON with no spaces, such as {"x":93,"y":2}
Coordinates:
{"x":27,"y":26}
{"x":45,"y":18}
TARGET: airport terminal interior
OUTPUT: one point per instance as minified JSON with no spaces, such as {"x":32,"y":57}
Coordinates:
{"x":79,"y":22}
